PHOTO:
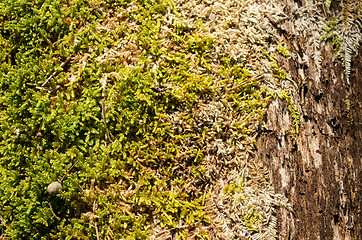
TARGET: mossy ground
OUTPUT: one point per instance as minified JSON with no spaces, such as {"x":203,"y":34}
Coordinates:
{"x":177,"y":124}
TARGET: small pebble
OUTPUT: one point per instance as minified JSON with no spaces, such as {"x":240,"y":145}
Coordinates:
{"x":54,"y":188}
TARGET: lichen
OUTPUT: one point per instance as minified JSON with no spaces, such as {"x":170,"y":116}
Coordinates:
{"x":344,"y":30}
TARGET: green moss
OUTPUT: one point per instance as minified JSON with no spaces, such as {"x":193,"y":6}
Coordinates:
{"x":279,"y":73}
{"x":284,"y":51}
{"x":268,"y":56}
{"x":293,"y":111}
{"x":330,"y":33}
{"x":120,"y":189}
{"x":233,"y":188}
{"x":251,"y":218}
{"x":45,"y":129}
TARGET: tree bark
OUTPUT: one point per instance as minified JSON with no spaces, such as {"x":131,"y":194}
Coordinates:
{"x":319,"y":169}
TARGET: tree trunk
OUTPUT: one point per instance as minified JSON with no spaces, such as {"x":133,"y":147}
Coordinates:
{"x":319,"y":169}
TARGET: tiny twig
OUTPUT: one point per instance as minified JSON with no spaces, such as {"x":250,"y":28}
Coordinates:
{"x":57,"y":188}
{"x":56,"y":72}
{"x":2,"y":221}
{"x":324,"y":11}
{"x":61,"y":180}
{"x":104,"y":120}
{"x":51,"y":209}
{"x":253,"y":78}
{"x":45,"y":210}
{"x":97,"y":234}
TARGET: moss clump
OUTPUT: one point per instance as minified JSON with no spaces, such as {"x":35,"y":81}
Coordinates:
{"x":252,"y":218}
{"x":47,"y":127}
{"x":234,"y":187}
{"x":284,"y":51}
{"x":164,"y":104}
{"x":279,"y":73}
{"x":293,"y":111}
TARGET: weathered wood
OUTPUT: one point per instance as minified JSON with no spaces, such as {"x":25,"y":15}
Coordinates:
{"x":320,"y":171}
